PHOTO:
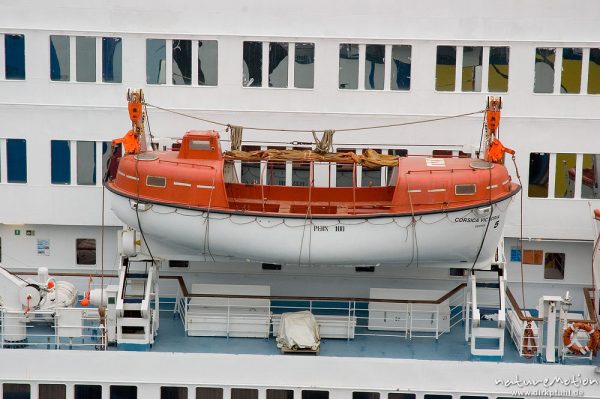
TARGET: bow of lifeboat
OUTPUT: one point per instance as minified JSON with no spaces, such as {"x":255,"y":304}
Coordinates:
{"x":434,"y":211}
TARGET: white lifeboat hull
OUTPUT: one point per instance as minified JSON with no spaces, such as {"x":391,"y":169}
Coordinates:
{"x":451,"y":239}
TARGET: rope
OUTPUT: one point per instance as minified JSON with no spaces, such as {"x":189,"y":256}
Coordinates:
{"x":266,"y":129}
{"x":325,"y":144}
{"x":235,"y":133}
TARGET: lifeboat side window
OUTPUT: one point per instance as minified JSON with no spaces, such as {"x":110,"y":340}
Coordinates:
{"x":312,"y":394}
{"x":280,"y":393}
{"x":52,"y":391}
{"x":210,"y":393}
{"x":200,"y":145}
{"x":399,"y":395}
{"x":16,"y":391}
{"x":123,"y":392}
{"x":88,"y":392}
{"x":465,"y":189}
{"x":244,"y":393}
{"x":156,"y":181}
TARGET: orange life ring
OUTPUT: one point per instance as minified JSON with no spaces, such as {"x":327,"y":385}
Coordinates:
{"x":593,"y":342}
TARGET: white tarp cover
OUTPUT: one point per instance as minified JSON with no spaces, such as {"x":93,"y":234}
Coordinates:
{"x":298,"y":330}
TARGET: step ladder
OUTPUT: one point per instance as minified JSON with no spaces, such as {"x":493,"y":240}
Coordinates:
{"x":137,"y":318}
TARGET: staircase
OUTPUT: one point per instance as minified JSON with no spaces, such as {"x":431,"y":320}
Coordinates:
{"x":137,"y":320}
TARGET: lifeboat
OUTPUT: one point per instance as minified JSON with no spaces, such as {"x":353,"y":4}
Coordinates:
{"x":446,"y":212}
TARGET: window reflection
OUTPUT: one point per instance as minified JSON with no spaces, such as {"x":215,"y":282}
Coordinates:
{"x":60,"y":66}
{"x":14,"y":57}
{"x":498,"y":69}
{"x":252,"y":76}
{"x":348,"y":78}
{"x":539,"y":164}
{"x":565,"y":176}
{"x":208,"y":65}
{"x":278,"y":64}
{"x":544,"y":70}
{"x":156,"y":58}
{"x":400,"y":72}
{"x":445,"y":68}
{"x":182,"y":62}
{"x":571,"y":70}
{"x":112,"y":59}
{"x":85,"y":59}
{"x":590,"y":183}
{"x":304,"y":65}
{"x":471,"y":69}
{"x":594,"y":72}
{"x":374,"y":66}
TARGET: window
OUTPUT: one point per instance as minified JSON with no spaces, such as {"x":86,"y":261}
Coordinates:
{"x":544,"y":70}
{"x":85,"y":59}
{"x":112,"y":59}
{"x":554,"y":266}
{"x":250,"y":171}
{"x":572,"y":59}
{"x":374,"y":66}
{"x":244,"y":393}
{"x":86,"y":163}
{"x":465,"y":189}
{"x":123,"y":392}
{"x":498,"y":69}
{"x":182,"y":62}
{"x":365,"y":395}
{"x":348,"y":77}
{"x":594,"y":72}
{"x":60,"y":66}
{"x":445,"y":68}
{"x":564,"y":179}
{"x":589,"y":180}
{"x":14,"y":57}
{"x":52,"y":391}
{"x":280,"y":394}
{"x":16,"y":391}
{"x":471,"y":68}
{"x":16,"y":160}
{"x":310,"y":394}
{"x":85,"y":249}
{"x":60,"y":162}
{"x":278,"y":65}
{"x":473,"y":397}
{"x":398,"y":395}
{"x":344,"y":172}
{"x":156,"y":58}
{"x":276,"y":173}
{"x":304,"y":65}
{"x":533,"y":256}
{"x":106,"y":153}
{"x":371,"y":176}
{"x":173,"y":393}
{"x":200,"y":145}
{"x":209,"y":393}
{"x":208,"y":55}
{"x":436,"y":396}
{"x":539,"y":164}
{"x":400,"y":72}
{"x":252,"y":75}
{"x":88,"y":392}
{"x":179,"y":263}
{"x":156,"y":181}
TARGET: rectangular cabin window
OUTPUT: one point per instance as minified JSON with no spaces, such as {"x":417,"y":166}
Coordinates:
{"x":278,"y":64}
{"x":301,"y":171}
{"x":60,"y":55}
{"x":173,"y":393}
{"x":465,"y":189}
{"x":156,"y":181}
{"x":594,"y":72}
{"x":88,"y":392}
{"x":16,"y":391}
{"x":156,"y":59}
{"x":112,"y":59}
{"x":252,"y":75}
{"x":564,"y":179}
{"x":533,"y":256}
{"x":123,"y":392}
{"x":445,"y":68}
{"x":371,"y":176}
{"x":473,"y":397}
{"x":539,"y":164}
{"x":472,"y":68}
{"x":590,"y":179}
{"x":401,"y":64}
{"x":544,"y":70}
{"x":86,"y":163}
{"x":106,"y":153}
{"x":85,"y":250}
{"x":441,"y":153}
{"x":85,"y":59}
{"x":344,"y":172}
{"x":179,"y":263}
{"x":374,"y":66}
{"x":304,"y":65}
{"x":200,"y":145}
{"x":250,"y":171}
{"x":276,"y":171}
{"x":554,"y":266}
{"x":182,"y":62}
{"x":313,"y":394}
{"x":244,"y":393}
{"x":60,"y":162}
{"x":208,"y":62}
{"x":280,"y":394}
{"x":365,"y":395}
{"x":14,"y":57}
{"x":52,"y":391}
{"x":436,"y":396}
{"x":498,"y":69}
{"x":572,"y":61}
{"x":209,"y":393}
{"x":16,"y":161}
{"x":400,"y":395}
{"x":348,"y":77}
